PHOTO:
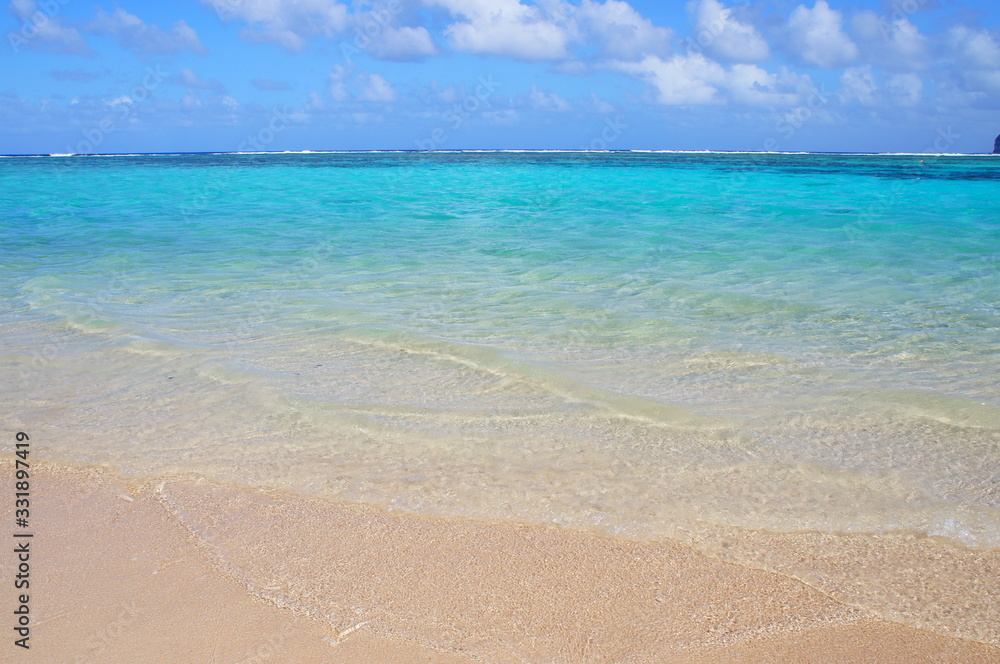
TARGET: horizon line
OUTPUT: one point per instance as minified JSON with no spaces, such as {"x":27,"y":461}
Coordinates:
{"x":492,"y":150}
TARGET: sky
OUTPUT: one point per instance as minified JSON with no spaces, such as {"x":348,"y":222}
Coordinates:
{"x":78,"y":76}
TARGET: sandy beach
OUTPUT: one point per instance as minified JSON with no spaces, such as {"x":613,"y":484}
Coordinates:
{"x":127,"y":571}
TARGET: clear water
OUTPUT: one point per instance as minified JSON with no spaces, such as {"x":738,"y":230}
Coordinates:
{"x":642,"y":344}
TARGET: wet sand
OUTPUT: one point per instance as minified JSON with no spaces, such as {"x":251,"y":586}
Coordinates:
{"x":185,"y":570}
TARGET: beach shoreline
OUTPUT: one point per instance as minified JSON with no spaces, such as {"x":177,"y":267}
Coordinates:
{"x":126,"y":570}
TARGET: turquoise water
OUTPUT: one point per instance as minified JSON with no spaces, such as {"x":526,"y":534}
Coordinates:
{"x":641,"y":344}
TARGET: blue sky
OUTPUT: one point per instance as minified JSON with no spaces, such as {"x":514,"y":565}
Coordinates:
{"x":222,"y":75}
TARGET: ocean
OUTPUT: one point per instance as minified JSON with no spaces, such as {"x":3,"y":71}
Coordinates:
{"x":644,"y":345}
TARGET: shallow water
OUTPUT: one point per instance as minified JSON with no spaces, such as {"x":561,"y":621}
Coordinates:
{"x":647,"y":345}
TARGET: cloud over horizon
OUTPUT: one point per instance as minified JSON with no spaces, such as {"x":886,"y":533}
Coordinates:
{"x":562,"y":62}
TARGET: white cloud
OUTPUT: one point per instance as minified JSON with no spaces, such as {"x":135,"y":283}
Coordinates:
{"x":572,"y":67}
{"x":190,"y":79}
{"x":858,"y":85}
{"x":338,"y":82}
{"x":976,"y":48}
{"x":507,"y":116}
{"x":285,"y":22}
{"x":448,"y":94}
{"x":291,"y":23}
{"x":598,"y":105}
{"x":682,"y":80}
{"x":751,"y":85}
{"x":191,"y":99}
{"x":135,"y":35}
{"x":377,"y":89}
{"x":621,"y":31}
{"x":983,"y":80}
{"x":974,"y":73}
{"x":404,"y":43}
{"x":719,"y":33}
{"x":905,"y":89}
{"x":345,"y":86}
{"x":696,"y":80}
{"x":519,"y":29}
{"x":549,"y":29}
{"x":816,"y":36}
{"x":313,"y":106}
{"x":45,"y":35}
{"x":315,"y":101}
{"x":895,"y":44}
{"x":546,"y":101}
{"x":504,"y":27}
{"x":287,"y":39}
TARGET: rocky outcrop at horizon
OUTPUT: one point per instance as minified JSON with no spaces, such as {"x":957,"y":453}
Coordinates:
{"x":996,"y":146}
